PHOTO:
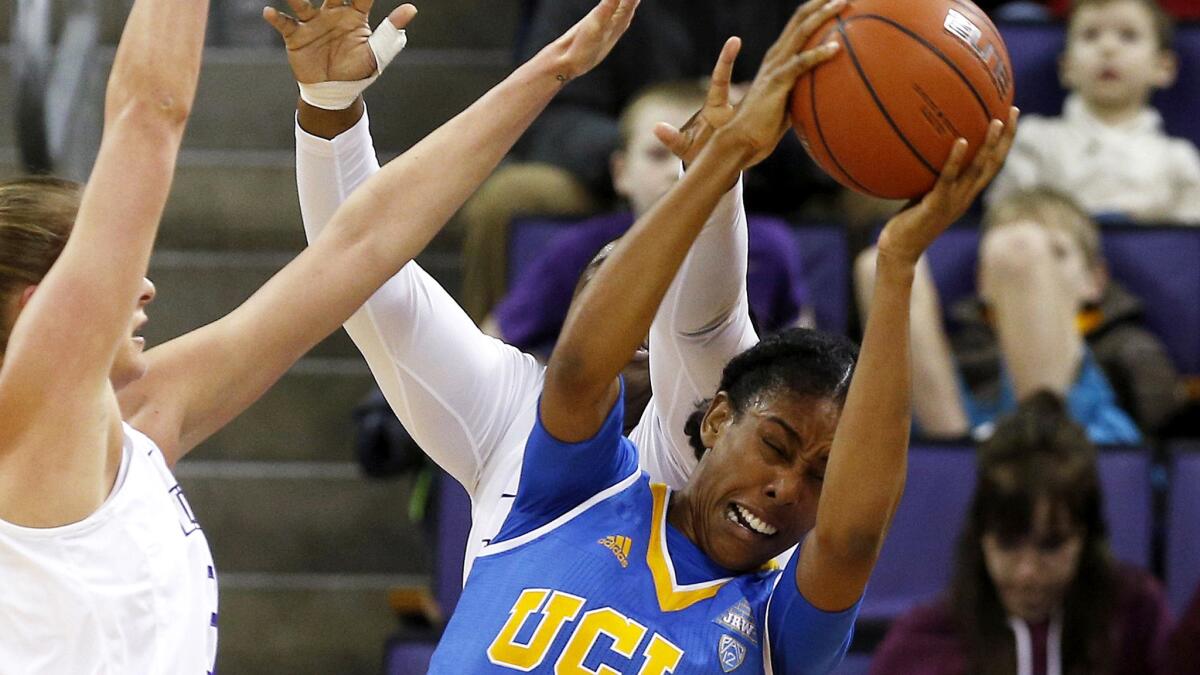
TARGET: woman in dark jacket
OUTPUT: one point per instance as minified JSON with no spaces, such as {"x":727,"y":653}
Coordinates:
{"x":1036,"y":590}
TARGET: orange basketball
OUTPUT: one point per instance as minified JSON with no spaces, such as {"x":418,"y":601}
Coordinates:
{"x":911,"y":77}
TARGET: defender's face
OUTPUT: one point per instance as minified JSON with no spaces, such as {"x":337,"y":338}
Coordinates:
{"x":755,"y":493}
{"x":130,"y":364}
{"x":1113,"y":57}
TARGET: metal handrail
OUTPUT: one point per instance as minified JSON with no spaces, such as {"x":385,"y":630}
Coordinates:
{"x":51,"y":83}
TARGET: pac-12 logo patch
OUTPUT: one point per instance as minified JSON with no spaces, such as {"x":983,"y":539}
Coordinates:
{"x":731,"y":653}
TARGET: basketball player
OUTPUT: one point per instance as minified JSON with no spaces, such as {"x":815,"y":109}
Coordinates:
{"x":103,"y":567}
{"x":467,"y":399}
{"x":596,"y":567}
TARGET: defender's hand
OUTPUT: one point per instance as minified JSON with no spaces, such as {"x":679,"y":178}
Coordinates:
{"x":329,"y":44}
{"x":762,"y":117}
{"x":910,"y":232}
{"x":586,"y":44}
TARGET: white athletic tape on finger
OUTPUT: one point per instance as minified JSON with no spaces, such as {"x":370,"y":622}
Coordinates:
{"x":386,"y":42}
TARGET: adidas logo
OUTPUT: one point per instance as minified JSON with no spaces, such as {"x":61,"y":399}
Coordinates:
{"x":619,"y":545}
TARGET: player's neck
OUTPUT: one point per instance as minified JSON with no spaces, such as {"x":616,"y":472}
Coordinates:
{"x":680,"y":516}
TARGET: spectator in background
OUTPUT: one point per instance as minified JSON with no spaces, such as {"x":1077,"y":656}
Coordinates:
{"x":565,"y":167}
{"x":643,"y":169}
{"x":1035,"y":589}
{"x":1046,"y":317}
{"x":1108,"y":150}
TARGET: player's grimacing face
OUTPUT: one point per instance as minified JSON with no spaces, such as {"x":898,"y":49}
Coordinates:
{"x":755,"y":493}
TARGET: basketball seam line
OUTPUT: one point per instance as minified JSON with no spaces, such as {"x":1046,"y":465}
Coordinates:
{"x":812,"y":99}
{"x":879,"y":104}
{"x":987,"y":115}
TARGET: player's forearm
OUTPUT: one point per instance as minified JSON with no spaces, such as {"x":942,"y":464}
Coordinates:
{"x":157,"y":62}
{"x":712,"y":280}
{"x":865,"y":475}
{"x":613,"y":314}
{"x":329,"y":171}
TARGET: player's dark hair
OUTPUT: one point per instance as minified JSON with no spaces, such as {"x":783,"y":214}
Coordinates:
{"x":797,"y":361}
{"x":36,"y":217}
{"x":1038,"y":455}
{"x":1164,"y":24}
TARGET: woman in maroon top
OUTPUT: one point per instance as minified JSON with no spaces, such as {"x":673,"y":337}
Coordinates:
{"x":1036,"y":590}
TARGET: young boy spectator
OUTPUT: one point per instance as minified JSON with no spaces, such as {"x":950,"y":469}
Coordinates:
{"x":1046,"y":317}
{"x":530,"y":316}
{"x":1108,"y":150}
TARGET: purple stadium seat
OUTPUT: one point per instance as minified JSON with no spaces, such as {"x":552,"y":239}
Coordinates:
{"x":405,"y":657}
{"x":1157,"y":264}
{"x":952,"y":259}
{"x":1182,"y":568}
{"x":408,"y":652}
{"x":918,"y":557}
{"x":1179,"y":105}
{"x":453,"y":524}
{"x":1035,"y":47}
{"x":824,"y":261}
{"x":856,"y":663}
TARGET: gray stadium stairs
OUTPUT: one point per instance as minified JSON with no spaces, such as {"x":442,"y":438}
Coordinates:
{"x":306,"y":548}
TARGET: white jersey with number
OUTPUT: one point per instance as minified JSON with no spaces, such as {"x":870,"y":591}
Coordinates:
{"x":130,"y":589}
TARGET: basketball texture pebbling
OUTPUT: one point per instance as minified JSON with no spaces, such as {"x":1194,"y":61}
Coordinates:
{"x":911,"y":77}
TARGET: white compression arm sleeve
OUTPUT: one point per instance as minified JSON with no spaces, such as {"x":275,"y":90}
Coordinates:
{"x":456,"y":390}
{"x":703,"y":322}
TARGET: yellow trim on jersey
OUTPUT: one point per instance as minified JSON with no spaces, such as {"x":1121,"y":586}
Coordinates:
{"x":671,"y":596}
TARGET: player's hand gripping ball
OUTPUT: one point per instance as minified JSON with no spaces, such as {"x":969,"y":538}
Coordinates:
{"x":912,"y":76}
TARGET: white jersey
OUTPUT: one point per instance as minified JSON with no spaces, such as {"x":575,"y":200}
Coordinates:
{"x":128,"y":590}
{"x":470,"y":400}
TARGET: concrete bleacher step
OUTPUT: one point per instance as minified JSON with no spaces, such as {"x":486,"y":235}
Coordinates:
{"x":8,"y":111}
{"x":246,"y":97}
{"x":305,"y":624}
{"x":304,"y":518}
{"x":198,"y":287}
{"x":306,"y":416}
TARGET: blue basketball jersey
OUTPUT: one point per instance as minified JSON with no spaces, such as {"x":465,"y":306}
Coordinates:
{"x":587,"y":576}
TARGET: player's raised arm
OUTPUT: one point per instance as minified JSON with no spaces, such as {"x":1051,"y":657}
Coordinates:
{"x":611,"y":316}
{"x":386,"y":223}
{"x":864,"y":478}
{"x":72,"y":324}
